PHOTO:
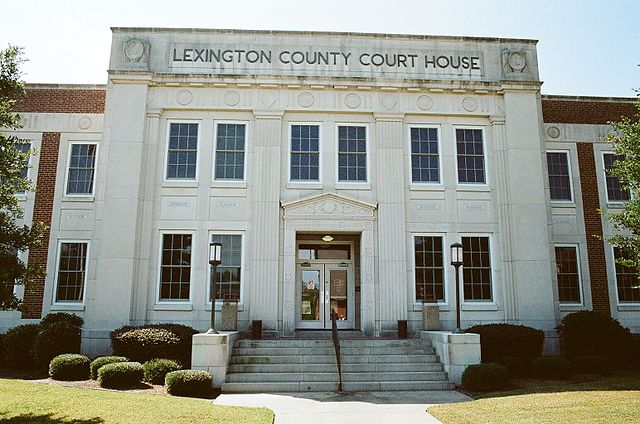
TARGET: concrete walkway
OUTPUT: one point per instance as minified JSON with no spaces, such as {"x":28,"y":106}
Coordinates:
{"x":348,"y":407}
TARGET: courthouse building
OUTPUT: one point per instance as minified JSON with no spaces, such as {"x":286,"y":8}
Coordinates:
{"x":335,"y":169}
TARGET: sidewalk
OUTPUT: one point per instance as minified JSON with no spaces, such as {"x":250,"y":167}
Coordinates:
{"x":348,"y":407}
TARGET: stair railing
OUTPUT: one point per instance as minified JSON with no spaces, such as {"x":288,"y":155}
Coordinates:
{"x":336,"y":346}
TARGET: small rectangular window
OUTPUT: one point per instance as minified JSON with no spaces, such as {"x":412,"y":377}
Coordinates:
{"x":476,"y":269}
{"x":230,"y":148}
{"x":175,"y":268}
{"x":71,"y":273}
{"x":305,"y":153}
{"x":615,"y":191}
{"x":425,"y":161}
{"x":559,"y":176}
{"x":568,"y":271}
{"x":24,"y":172}
{"x":82,"y":165}
{"x":627,"y":280}
{"x":228,"y":273}
{"x":470,"y":155}
{"x":352,"y":153}
{"x":429,"y":268}
{"x":182,"y":151}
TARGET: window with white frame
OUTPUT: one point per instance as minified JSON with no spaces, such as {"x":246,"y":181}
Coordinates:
{"x":470,"y":156}
{"x":425,"y":161}
{"x":627,"y":281}
{"x":82,"y":166}
{"x":429,"y":268}
{"x":559,"y":176}
{"x":24,"y":172}
{"x":175,"y":267}
{"x":476,"y":269}
{"x":305,"y":153}
{"x":230,"y":149}
{"x":568,"y":273}
{"x":182,"y":154}
{"x":615,"y":191}
{"x":72,"y":271}
{"x":228,"y":273}
{"x":352,"y":153}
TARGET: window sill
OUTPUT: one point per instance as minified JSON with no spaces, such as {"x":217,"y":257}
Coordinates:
{"x":479,"y":187}
{"x":478,"y":306}
{"x":442,"y":306}
{"x":207,"y":307}
{"x":172,"y":306}
{"x":228,"y":184}
{"x":304,"y":186}
{"x":78,"y":198}
{"x":67,"y":307}
{"x":179,"y":184}
{"x":426,"y":187}
{"x":21,"y":197}
{"x":561,"y":204}
{"x":616,"y":205}
{"x":352,"y":186}
{"x":629,"y":307}
{"x":572,"y":307}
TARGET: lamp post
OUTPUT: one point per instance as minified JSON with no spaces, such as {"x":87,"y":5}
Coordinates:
{"x":456,"y":261}
{"x":215,"y":258}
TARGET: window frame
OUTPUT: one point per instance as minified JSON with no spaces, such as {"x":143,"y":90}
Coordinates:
{"x":489,"y":302}
{"x":214,"y":154}
{"x":569,"y":162}
{"x":240,"y":233}
{"x":581,"y":302}
{"x":166,"y":151}
{"x":68,"y":169}
{"x":305,"y":183}
{"x":425,"y":184}
{"x":162,"y":233}
{"x":485,"y":156}
{"x":445,"y":273}
{"x":603,"y":153}
{"x":57,"y":273}
{"x":23,"y":194}
{"x":634,"y":305}
{"x":350,"y":183}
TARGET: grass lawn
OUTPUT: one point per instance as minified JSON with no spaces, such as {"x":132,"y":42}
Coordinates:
{"x":609,"y":400}
{"x":25,"y":402}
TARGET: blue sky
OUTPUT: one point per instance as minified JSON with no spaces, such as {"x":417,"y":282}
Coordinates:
{"x":585,"y":47}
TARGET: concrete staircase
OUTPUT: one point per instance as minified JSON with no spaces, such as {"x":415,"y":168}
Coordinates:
{"x":301,"y":365}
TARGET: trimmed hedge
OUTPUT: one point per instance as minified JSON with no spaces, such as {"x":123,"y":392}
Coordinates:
{"x":499,"y":340}
{"x":171,"y":341}
{"x":70,"y":367}
{"x":592,"y":333}
{"x":95,"y":365}
{"x":188,"y":383}
{"x":516,"y":367}
{"x":156,"y":370}
{"x":551,"y":368}
{"x":591,"y":364}
{"x":59,"y":333}
{"x":18,"y":342}
{"x":485,"y":377}
{"x":120,"y":375}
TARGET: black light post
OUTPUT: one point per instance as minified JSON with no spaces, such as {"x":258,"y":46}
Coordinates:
{"x":215,"y":258}
{"x":456,"y":261}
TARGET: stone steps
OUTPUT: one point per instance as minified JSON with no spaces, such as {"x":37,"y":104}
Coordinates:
{"x":346,"y":367}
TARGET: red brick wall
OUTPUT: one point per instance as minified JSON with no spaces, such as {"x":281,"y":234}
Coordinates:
{"x":43,"y":208}
{"x":593,"y":228}
{"x":585,"y":110}
{"x":63,"y":100}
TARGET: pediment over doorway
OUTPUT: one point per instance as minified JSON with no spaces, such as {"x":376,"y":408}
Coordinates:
{"x":328,"y":204}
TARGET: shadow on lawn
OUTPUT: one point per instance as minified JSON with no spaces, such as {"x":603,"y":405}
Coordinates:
{"x":48,"y":419}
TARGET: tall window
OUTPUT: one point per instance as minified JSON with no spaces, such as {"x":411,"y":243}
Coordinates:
{"x":175,"y":269}
{"x":626,"y":280}
{"x":305,"y":153}
{"x":228,"y":278}
{"x":470,"y":151}
{"x":429,"y":269}
{"x":352,"y":153}
{"x":24,"y":172}
{"x":230,"y":146}
{"x":476,"y":268}
{"x":82,"y":165}
{"x":72,"y":267}
{"x":559,"y":176}
{"x":425,"y":163}
{"x":615,"y":191}
{"x":183,"y":151}
{"x":568,"y":272}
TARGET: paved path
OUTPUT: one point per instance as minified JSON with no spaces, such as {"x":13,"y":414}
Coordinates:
{"x":350,"y":407}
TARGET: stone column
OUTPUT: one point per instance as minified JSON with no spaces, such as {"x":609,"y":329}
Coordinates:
{"x":367,"y":286}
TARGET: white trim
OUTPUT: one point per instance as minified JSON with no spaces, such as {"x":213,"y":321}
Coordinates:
{"x":620,"y":303}
{"x":55,"y":303}
{"x":304,"y":183}
{"x":580,"y":284}
{"x":489,"y":303}
{"x":425,"y":185}
{"x":158,"y":301}
{"x":352,"y":184}
{"x":240,"y":233}
{"x":222,"y":182}
{"x":95,"y":171}
{"x":485,"y":160}
{"x":166,"y":150}
{"x":445,"y":259}
{"x":571,"y":190}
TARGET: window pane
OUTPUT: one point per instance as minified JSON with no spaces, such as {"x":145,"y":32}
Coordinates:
{"x":568,"y":274}
{"x":559,"y":178}
{"x":305,"y":154}
{"x":175,"y":269}
{"x":429,"y":271}
{"x":81,"y":169}
{"x":71,"y":272}
{"x":476,"y":268}
{"x":182,"y":155}
{"x":470,"y":152}
{"x":615,"y":191}
{"x":425,"y":166}
{"x":626,"y":280}
{"x":228,"y":273}
{"x":230,"y":142}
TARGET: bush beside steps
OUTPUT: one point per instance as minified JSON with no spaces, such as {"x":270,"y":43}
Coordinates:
{"x":156,"y":370}
{"x":188,"y":383}
{"x":69,"y":367}
{"x":485,"y":377}
{"x":121,"y":375}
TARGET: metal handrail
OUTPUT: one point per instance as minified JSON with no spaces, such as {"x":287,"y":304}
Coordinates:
{"x":336,"y":346}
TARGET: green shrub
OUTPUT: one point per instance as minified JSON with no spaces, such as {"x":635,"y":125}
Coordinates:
{"x":69,"y":366}
{"x":591,"y":364}
{"x":120,"y":375}
{"x":55,"y":338}
{"x":1,"y":349}
{"x":485,"y":377}
{"x":551,"y":368}
{"x":498,"y":340}
{"x":171,"y":341}
{"x":592,"y":333}
{"x":95,"y":365}
{"x":188,"y":383}
{"x":155,"y":370}
{"x":516,"y":367}
{"x":18,"y":343}
{"x":63,"y":318}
